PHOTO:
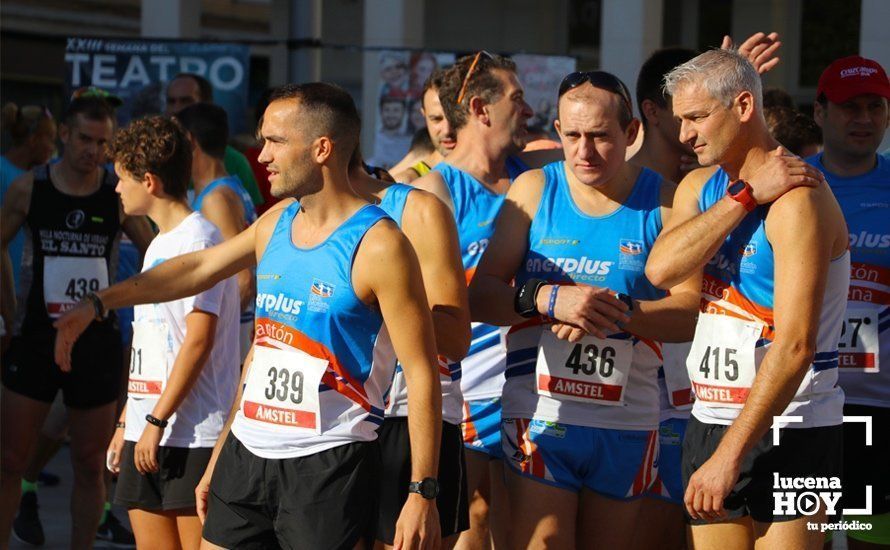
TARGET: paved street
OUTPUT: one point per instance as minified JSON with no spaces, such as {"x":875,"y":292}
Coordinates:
{"x":54,"y":506}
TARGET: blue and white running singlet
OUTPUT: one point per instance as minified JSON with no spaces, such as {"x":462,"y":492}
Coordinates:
{"x":736,"y":328}
{"x":393,"y":203}
{"x":609,"y":383}
{"x":865,"y":337}
{"x":233,"y":183}
{"x":475,"y":211}
{"x":314,"y":383}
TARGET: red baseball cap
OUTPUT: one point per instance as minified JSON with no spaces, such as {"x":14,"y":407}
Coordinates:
{"x":852,"y":76}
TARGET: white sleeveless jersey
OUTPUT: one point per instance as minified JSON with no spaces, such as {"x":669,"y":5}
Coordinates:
{"x":674,"y":388}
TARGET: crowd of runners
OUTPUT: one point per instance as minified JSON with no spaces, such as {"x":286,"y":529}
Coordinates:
{"x":492,"y":347}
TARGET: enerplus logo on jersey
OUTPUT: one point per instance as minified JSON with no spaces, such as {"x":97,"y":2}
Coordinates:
{"x":278,"y":305}
{"x":723,"y":262}
{"x":864,"y":239}
{"x":808,"y":495}
{"x":578,"y":269}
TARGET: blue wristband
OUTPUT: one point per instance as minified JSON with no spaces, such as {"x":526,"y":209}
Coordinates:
{"x":553,"y":292}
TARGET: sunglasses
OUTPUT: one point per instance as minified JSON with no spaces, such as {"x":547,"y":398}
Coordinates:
{"x":598,"y":79}
{"x":92,"y":91}
{"x":378,"y":172}
{"x":466,"y":82}
{"x":35,"y":112}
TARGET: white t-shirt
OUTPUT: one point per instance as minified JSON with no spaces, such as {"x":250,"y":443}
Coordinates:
{"x":199,"y":419}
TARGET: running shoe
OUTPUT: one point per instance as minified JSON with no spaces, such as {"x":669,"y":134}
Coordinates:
{"x":48,"y":479}
{"x":114,"y":534}
{"x":27,"y":527}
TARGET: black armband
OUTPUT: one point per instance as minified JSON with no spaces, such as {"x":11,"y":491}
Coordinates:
{"x":524,"y":302}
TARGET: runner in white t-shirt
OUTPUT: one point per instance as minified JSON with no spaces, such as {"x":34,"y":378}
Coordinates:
{"x":184,"y":361}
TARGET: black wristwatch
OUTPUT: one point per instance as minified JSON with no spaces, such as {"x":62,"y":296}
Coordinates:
{"x":524,"y":301}
{"x":428,"y":488}
{"x":153,"y":420}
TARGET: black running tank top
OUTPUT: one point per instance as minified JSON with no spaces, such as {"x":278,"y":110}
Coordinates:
{"x":70,"y":250}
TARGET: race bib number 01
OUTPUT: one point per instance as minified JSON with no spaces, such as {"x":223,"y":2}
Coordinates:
{"x":66,"y":280}
{"x":858,"y":347}
{"x":148,"y":359}
{"x":721,"y":363}
{"x":282,"y":389}
{"x":592,"y":371}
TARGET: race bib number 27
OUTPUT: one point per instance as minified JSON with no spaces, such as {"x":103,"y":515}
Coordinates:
{"x":858,"y":347}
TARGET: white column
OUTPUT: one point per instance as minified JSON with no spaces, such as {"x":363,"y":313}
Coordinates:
{"x":171,"y":18}
{"x":305,"y":23}
{"x":387,"y":23}
{"x":279,"y":27}
{"x":874,"y":40}
{"x":631,"y":31}
{"x":782,"y":16}
{"x":689,"y":25}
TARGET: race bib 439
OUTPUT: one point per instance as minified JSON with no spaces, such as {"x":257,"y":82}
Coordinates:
{"x":66,"y":280}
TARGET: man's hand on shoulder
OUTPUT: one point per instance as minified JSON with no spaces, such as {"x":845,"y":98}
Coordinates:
{"x":780,"y":173}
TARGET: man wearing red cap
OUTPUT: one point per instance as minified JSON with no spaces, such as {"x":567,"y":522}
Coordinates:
{"x":851,"y":107}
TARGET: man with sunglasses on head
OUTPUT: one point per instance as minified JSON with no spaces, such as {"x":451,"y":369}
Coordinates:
{"x":74,"y":220}
{"x":766,"y":243}
{"x":484,"y":104}
{"x":565,"y":268}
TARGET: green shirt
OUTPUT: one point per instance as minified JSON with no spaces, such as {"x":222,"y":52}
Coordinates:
{"x":237,"y":165}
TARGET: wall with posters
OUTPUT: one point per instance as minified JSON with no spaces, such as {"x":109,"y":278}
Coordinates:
{"x":399,"y":83}
{"x":398,"y":116}
{"x":540,"y":76}
{"x":138,"y":70}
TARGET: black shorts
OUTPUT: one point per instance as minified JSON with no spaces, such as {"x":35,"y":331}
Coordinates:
{"x":171,"y":488}
{"x":867,"y":465}
{"x":801,"y":453}
{"x":325,"y":500}
{"x":97,"y":368}
{"x":452,"y":502}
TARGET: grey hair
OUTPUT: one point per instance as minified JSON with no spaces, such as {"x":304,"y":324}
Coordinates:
{"x":724,"y":74}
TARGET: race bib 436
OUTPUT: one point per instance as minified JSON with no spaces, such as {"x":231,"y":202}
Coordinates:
{"x":591,"y":371}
